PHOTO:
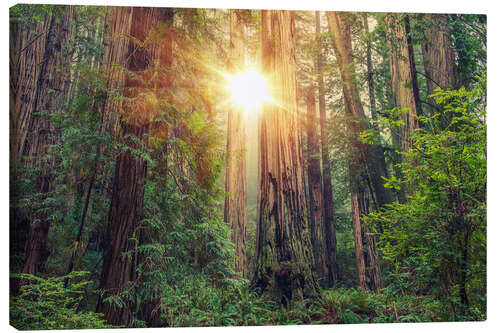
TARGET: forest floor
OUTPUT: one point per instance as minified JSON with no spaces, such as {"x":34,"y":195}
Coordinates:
{"x":48,"y":304}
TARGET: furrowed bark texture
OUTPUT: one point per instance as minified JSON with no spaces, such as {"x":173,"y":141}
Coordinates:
{"x":235,"y":212}
{"x":118,"y":22}
{"x":357,"y":203}
{"x":126,"y":211}
{"x":360,"y":153}
{"x":315,"y":190}
{"x":403,"y":86}
{"x":284,"y":251}
{"x":116,"y":43}
{"x":439,"y":56}
{"x":328,"y":209}
{"x":27,"y":49}
{"x":51,"y":90}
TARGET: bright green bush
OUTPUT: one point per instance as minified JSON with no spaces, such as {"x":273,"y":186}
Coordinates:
{"x":49,"y":304}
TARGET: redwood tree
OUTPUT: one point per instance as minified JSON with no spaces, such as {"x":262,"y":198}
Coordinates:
{"x":284,"y":252}
{"x":439,"y":56}
{"x":403,"y":74}
{"x":315,"y":189}
{"x":52,"y":86}
{"x":139,"y":109}
{"x":328,"y":211}
{"x":359,"y":160}
{"x":235,"y":213}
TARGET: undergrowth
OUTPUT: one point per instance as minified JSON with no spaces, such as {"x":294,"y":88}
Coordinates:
{"x":194,"y":302}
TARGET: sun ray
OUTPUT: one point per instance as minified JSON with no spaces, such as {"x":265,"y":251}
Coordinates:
{"x":249,"y":90}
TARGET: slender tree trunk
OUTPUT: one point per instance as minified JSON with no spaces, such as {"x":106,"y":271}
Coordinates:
{"x":359,"y":160}
{"x":328,"y":214}
{"x":235,"y":213}
{"x":464,"y":299}
{"x":413,"y":68}
{"x":356,"y":208}
{"x":52,"y":87}
{"x":284,"y":252}
{"x":126,"y":211}
{"x":315,"y":190}
{"x":378,"y":167}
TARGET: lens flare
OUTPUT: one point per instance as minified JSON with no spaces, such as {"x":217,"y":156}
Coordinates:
{"x":249,"y":90}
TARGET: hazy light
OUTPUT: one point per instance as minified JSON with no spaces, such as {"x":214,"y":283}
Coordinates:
{"x":249,"y":90}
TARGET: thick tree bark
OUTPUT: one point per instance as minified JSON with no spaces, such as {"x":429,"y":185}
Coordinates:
{"x":328,"y":213}
{"x":116,"y":43}
{"x":126,"y":211}
{"x":403,"y":82}
{"x":439,"y":58}
{"x":359,"y":160}
{"x":315,"y":190}
{"x":235,"y":213}
{"x":52,"y":87}
{"x":284,"y":251}
{"x":27,"y":49}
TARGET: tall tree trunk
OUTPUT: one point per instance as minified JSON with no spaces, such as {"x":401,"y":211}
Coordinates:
{"x":328,"y":213}
{"x":116,"y":44}
{"x":403,"y":87}
{"x":126,"y":211}
{"x":379,"y":167}
{"x":315,"y":190}
{"x":284,"y":251}
{"x":148,"y":309}
{"x":118,"y":22}
{"x":403,"y":81}
{"x":52,"y":87}
{"x":357,"y":203}
{"x":413,"y":68}
{"x":359,"y":160}
{"x":439,"y":57}
{"x":235,"y":213}
{"x":27,"y":49}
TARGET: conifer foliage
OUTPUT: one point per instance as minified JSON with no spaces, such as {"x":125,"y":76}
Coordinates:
{"x":148,"y":190}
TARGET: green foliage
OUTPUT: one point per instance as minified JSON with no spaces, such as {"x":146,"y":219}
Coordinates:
{"x":199,"y":304}
{"x":353,"y":306}
{"x":185,"y":274}
{"x":48,"y":304}
{"x":436,"y":241}
{"x":468,"y":34}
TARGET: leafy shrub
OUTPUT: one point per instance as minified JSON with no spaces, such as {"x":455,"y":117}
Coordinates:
{"x":49,"y":304}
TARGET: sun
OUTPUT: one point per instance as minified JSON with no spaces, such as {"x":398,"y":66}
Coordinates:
{"x":249,"y":90}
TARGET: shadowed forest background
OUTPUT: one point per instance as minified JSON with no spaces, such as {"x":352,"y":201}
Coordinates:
{"x":213,"y":167}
